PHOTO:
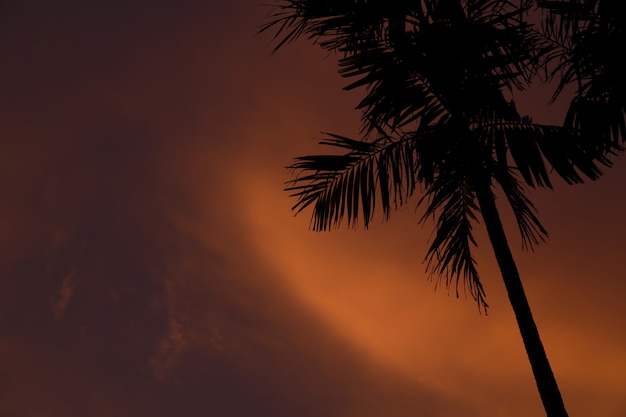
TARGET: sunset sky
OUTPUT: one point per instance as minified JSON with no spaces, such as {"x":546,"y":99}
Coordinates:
{"x":150,"y":264}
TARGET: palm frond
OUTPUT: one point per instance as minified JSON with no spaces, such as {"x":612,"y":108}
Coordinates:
{"x":535,"y":148}
{"x":386,"y":171}
{"x":530,"y":228}
{"x":451,"y":201}
{"x":336,"y":25}
{"x":397,"y":94}
{"x":601,"y":119}
{"x":349,"y":185}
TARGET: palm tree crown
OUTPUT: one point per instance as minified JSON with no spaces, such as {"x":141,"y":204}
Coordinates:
{"x":435,"y":118}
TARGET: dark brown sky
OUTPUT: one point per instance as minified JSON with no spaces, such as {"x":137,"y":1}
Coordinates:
{"x":150,"y":265}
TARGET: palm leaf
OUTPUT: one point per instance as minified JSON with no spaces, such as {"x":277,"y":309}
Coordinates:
{"x":530,"y":228}
{"x":385,"y":171}
{"x":451,"y":201}
{"x":349,"y":185}
{"x":535,"y":148}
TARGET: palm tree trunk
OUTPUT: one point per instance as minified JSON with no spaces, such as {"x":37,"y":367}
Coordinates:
{"x":546,"y":383}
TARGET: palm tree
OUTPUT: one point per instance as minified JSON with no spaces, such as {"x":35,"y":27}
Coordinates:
{"x":436,"y":119}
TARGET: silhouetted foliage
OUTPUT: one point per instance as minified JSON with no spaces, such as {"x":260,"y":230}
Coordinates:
{"x":586,"y":41}
{"x":436,"y":119}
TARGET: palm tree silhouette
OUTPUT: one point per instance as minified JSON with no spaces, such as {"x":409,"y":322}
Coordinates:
{"x":436,"y":119}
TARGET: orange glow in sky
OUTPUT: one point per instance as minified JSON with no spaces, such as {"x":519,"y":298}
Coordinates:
{"x":151,"y":265}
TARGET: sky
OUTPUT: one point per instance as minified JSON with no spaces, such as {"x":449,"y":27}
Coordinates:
{"x":150,"y":264}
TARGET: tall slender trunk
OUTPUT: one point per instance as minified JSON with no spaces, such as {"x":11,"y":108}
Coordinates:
{"x":546,"y":383}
